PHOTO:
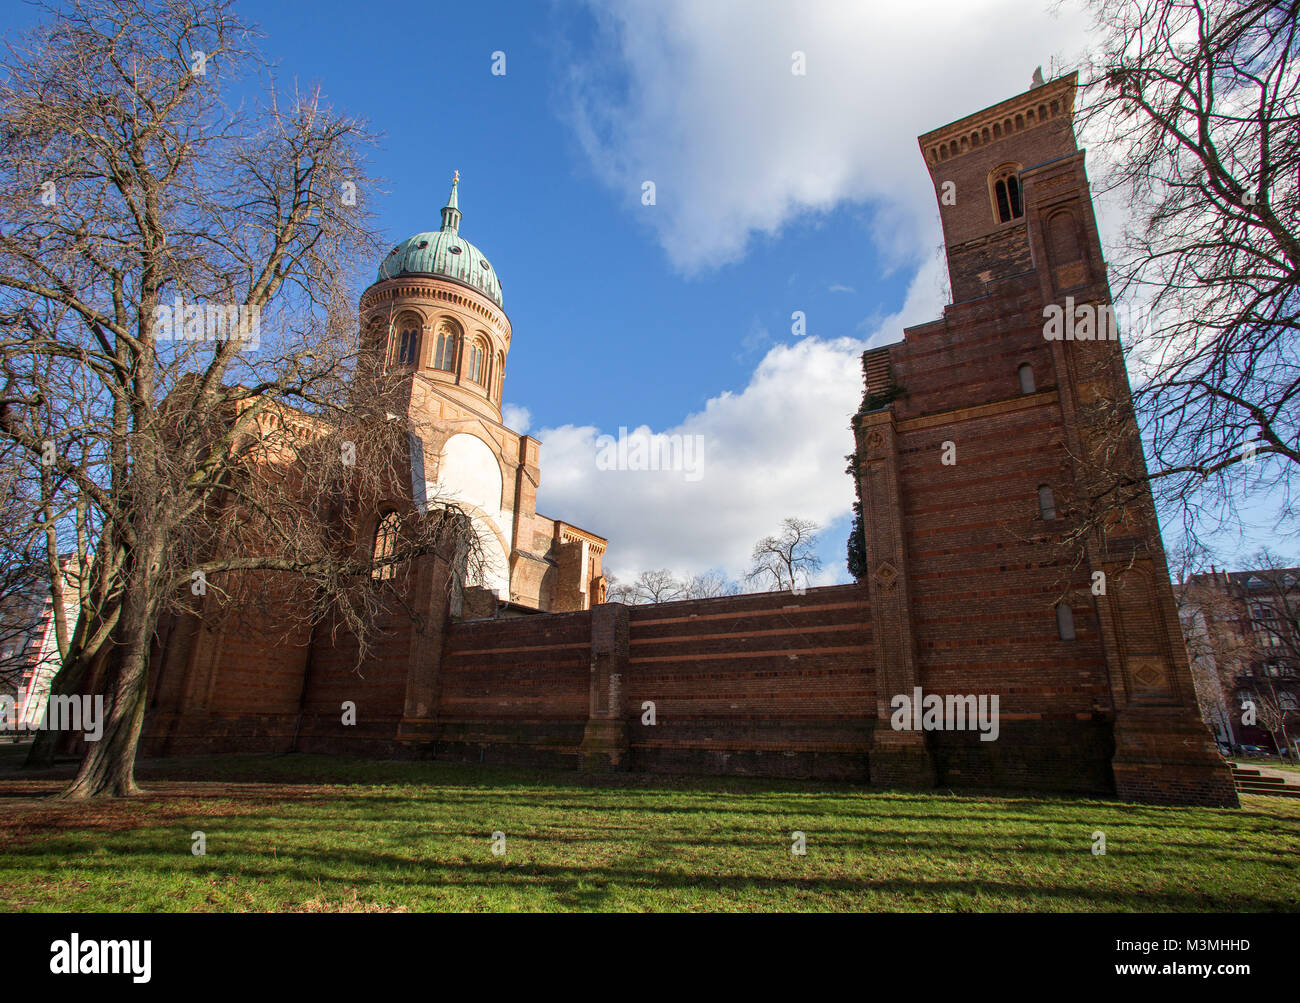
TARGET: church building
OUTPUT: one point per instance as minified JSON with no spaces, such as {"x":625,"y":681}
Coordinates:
{"x":985,"y":584}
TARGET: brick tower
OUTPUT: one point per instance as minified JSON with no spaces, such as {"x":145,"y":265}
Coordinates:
{"x":435,"y":312}
{"x":979,"y":442}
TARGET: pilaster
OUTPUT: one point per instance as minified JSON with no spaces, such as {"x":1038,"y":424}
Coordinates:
{"x":897,"y":758}
{"x":605,"y":740}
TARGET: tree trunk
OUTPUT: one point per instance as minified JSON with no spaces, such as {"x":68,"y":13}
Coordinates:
{"x":108,"y":769}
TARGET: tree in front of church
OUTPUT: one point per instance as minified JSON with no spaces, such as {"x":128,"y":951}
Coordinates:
{"x":181,"y":384}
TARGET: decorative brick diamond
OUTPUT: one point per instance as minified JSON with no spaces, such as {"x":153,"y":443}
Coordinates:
{"x":1149,"y":676}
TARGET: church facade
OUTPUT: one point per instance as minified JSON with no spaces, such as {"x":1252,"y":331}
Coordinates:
{"x":975,"y":438}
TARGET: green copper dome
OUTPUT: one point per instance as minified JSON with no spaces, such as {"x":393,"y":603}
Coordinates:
{"x":445,"y":253}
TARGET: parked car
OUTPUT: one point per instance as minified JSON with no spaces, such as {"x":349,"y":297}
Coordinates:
{"x":1249,"y":750}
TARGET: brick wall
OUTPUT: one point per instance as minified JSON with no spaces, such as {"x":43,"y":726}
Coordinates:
{"x":515,"y":690}
{"x":985,"y":571}
{"x":986,"y":568}
{"x":253,"y":683}
{"x":772,"y":684}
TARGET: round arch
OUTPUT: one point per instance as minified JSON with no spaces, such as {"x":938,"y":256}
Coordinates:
{"x":469,"y":472}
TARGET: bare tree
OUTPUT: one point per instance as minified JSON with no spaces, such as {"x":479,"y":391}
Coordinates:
{"x":617,"y":590}
{"x":655,"y":586}
{"x":178,"y":342}
{"x":1243,"y":640}
{"x":1200,"y":99}
{"x":23,"y":588}
{"x":661,"y":585}
{"x":710,"y":585}
{"x":788,"y":560}
{"x":1219,"y":650}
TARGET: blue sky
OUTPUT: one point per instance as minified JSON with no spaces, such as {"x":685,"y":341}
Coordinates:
{"x":774,"y":193}
{"x":591,"y":294}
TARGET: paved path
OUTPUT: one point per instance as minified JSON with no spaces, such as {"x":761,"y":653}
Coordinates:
{"x":1290,"y":777}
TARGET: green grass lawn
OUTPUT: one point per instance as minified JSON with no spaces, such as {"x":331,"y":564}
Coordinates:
{"x":317,"y":833}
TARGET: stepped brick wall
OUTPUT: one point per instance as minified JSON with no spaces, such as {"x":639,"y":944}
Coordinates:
{"x":774,"y":684}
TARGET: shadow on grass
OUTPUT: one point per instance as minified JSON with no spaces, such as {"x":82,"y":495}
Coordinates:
{"x":575,"y":886}
{"x":579,"y":843}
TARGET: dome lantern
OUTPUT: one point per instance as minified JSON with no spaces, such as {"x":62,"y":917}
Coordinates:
{"x":451,"y":211}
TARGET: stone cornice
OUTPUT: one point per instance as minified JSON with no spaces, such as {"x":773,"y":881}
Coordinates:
{"x":572,"y":534}
{"x":446,"y":290}
{"x":985,"y":127}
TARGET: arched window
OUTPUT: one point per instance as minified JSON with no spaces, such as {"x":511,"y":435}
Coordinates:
{"x":385,"y":547}
{"x":1004,"y":206}
{"x":408,"y":345}
{"x":500,"y":375}
{"x":1046,"y":502}
{"x":476,"y":363}
{"x":445,"y":356}
{"x":1026,"y":378}
{"x":1064,"y":622}
{"x":1006,"y":193}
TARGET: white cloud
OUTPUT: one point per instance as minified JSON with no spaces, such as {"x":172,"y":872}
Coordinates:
{"x":700,"y":98}
{"x":516,"y":417}
{"x":772,"y":450}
